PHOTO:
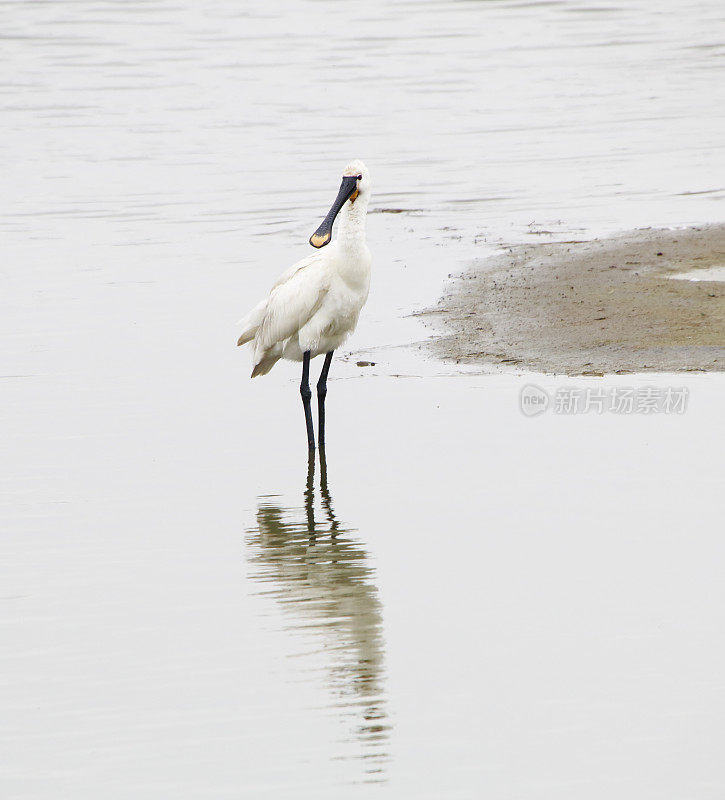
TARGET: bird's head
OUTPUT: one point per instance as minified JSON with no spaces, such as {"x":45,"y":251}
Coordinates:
{"x":355,"y":184}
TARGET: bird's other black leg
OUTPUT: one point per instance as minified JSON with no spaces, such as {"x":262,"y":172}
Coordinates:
{"x":321,"y":394}
{"x":306,"y":393}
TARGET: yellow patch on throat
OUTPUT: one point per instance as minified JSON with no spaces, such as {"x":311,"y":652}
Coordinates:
{"x":354,"y":195}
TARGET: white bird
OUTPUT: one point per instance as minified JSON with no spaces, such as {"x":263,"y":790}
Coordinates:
{"x":315,"y":305}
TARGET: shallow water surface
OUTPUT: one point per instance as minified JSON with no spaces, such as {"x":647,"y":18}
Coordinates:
{"x":467,"y":601}
{"x":319,"y":573}
{"x":709,"y":274}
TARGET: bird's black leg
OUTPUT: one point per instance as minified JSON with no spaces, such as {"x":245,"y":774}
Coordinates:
{"x":306,"y":395}
{"x":321,"y":394}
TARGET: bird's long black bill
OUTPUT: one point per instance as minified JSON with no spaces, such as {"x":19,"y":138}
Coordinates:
{"x":323,"y":234}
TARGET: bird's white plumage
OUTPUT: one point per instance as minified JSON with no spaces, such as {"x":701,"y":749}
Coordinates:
{"x":316,"y":303}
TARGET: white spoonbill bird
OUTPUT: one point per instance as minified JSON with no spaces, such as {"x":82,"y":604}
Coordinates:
{"x":315,"y":305}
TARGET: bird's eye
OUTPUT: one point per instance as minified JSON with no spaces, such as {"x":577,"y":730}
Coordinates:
{"x":359,"y":177}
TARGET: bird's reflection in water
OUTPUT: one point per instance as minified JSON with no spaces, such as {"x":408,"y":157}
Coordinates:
{"x":322,"y":577}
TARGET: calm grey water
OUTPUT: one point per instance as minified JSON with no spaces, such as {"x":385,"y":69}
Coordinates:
{"x":465,"y":601}
{"x":320,"y":574}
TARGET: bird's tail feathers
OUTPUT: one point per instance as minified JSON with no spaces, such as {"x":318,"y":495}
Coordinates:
{"x":250,"y":324}
{"x":265,"y":359}
{"x":247,"y":336}
{"x":265,"y":365}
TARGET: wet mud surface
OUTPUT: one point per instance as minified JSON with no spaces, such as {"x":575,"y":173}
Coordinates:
{"x":593,"y":307}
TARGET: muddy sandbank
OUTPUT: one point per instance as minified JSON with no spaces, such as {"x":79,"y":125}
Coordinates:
{"x":591,"y":307}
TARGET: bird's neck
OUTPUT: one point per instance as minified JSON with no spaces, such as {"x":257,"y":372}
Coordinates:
{"x":351,"y":228}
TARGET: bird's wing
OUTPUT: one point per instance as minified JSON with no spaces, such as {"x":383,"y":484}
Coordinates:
{"x":296,"y":267}
{"x":252,"y":322}
{"x":293,"y":300}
